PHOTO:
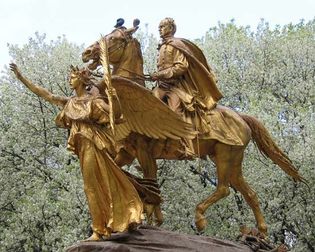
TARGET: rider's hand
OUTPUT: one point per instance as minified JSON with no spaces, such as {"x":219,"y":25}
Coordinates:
{"x":154,"y":76}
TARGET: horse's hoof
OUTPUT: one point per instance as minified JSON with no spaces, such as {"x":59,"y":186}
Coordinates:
{"x":201,"y":223}
{"x":263,"y":231}
{"x":158,"y":222}
{"x":158,"y":216}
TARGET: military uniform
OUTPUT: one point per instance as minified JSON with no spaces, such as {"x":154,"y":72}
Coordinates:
{"x":188,"y":85}
{"x":172,"y":64}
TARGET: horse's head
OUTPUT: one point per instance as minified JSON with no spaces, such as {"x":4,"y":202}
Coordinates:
{"x":116,"y":41}
{"x":92,"y":53}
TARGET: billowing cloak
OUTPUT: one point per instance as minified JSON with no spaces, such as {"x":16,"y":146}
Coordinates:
{"x":200,"y":75}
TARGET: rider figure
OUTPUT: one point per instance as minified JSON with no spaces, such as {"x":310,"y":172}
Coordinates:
{"x":185,"y":81}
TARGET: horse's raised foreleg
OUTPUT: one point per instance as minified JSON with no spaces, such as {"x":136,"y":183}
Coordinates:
{"x":149,"y":169}
{"x":148,"y":166}
{"x":200,"y":220}
{"x":223,"y":163}
{"x":145,"y":158}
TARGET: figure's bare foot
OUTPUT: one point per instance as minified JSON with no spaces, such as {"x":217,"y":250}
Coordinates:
{"x":94,"y":237}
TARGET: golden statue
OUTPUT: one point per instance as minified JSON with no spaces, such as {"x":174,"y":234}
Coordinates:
{"x":116,"y":199}
{"x":223,"y":133}
{"x":185,"y":81}
{"x":184,"y":77}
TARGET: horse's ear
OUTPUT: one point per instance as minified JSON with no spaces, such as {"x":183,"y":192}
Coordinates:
{"x":72,"y":67}
{"x":135,"y":27}
{"x":119,"y":22}
{"x":136,"y":22}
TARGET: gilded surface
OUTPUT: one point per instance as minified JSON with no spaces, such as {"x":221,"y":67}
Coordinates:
{"x":152,"y":125}
{"x":113,"y":195}
{"x":187,"y":85}
{"x":113,"y":201}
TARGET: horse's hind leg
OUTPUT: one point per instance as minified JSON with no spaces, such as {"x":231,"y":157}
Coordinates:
{"x":223,"y":162}
{"x":239,"y":183}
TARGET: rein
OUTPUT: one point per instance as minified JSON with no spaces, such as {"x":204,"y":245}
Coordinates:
{"x":138,"y":76}
{"x":120,"y":45}
{"x":114,"y":48}
{"x":123,"y":45}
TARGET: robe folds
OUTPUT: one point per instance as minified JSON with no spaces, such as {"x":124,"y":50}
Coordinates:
{"x":113,"y":201}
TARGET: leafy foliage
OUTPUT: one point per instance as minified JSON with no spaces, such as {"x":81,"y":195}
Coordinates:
{"x":42,"y":203}
{"x":268,"y":73}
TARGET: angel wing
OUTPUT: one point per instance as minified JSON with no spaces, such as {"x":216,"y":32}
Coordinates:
{"x":145,"y":114}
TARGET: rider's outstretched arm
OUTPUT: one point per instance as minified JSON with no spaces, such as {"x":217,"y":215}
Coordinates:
{"x":40,"y":91}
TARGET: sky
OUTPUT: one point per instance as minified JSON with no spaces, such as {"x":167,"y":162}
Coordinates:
{"x":82,"y":21}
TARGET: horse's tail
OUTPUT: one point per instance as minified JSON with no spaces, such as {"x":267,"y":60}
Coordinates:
{"x":270,"y":149}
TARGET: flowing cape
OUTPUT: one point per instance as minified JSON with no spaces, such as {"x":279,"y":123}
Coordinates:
{"x":203,"y":80}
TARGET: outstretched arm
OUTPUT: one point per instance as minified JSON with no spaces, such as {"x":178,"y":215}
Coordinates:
{"x":40,"y":91}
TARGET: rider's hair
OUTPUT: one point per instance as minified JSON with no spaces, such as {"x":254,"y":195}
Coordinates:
{"x":171,"y":22}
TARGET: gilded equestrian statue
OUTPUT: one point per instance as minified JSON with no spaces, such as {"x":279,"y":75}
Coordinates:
{"x":225,"y":141}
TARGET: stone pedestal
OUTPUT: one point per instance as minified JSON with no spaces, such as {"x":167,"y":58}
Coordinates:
{"x":147,"y":238}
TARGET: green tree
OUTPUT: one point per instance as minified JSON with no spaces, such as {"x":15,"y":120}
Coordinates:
{"x":41,"y":199}
{"x":268,"y":73}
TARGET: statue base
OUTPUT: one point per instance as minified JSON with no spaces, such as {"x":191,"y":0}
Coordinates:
{"x":148,"y":238}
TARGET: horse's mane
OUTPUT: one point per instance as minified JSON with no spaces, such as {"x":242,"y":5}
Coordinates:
{"x":137,"y":53}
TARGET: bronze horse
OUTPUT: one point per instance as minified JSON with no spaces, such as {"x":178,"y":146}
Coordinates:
{"x":126,"y":59}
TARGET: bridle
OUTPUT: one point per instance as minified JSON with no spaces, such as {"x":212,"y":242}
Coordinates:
{"x":122,"y":45}
{"x":118,"y":46}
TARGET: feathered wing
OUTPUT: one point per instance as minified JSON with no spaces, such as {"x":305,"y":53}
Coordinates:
{"x":145,"y":114}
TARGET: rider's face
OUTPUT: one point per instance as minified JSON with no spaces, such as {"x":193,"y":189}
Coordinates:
{"x":165,"y":29}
